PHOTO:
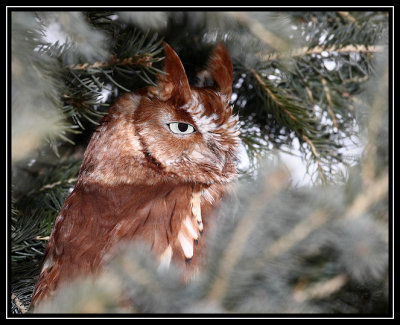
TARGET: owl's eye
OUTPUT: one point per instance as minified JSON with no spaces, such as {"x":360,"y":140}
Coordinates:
{"x":181,"y":128}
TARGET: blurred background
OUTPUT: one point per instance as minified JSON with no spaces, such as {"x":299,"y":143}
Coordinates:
{"x":308,"y":228}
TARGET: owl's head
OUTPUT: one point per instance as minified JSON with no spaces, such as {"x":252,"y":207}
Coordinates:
{"x":171,"y":132}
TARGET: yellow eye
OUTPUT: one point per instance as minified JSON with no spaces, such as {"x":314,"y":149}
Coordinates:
{"x":181,"y":128}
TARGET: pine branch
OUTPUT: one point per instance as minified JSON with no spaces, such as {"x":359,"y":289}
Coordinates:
{"x":263,"y":84}
{"x":301,"y":122}
{"x":301,"y":72}
{"x":330,"y":104}
{"x":316,"y":157}
{"x":19,"y":304}
{"x":137,"y":60}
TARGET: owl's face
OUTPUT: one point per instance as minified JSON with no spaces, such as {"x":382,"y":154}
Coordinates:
{"x":173,"y":132}
{"x":194,"y":142}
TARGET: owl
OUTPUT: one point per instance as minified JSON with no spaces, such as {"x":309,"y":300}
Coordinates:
{"x":154,"y":170}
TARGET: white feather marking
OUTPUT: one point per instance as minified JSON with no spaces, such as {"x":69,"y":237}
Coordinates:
{"x":207,"y":196}
{"x":196,"y":209}
{"x":205,"y":123}
{"x":165,"y":259}
{"x":192,"y":103}
{"x":47,"y":263}
{"x":135,"y":101}
{"x":189,"y":227}
{"x":196,"y":155}
{"x":186,"y":244}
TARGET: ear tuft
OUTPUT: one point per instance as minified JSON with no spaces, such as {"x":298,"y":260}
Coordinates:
{"x":221,"y":69}
{"x":174,"y":85}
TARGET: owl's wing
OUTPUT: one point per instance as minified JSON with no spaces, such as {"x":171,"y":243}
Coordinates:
{"x":72,"y":245}
{"x":94,"y":219}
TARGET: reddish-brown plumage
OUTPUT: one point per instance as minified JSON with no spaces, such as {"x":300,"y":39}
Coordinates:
{"x":141,"y":179}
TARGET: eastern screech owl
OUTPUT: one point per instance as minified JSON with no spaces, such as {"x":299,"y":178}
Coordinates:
{"x":154,"y":170}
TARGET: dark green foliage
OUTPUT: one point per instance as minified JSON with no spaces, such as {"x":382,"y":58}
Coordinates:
{"x":32,"y":218}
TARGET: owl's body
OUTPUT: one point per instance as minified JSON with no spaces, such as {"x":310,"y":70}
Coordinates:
{"x":153,"y":171}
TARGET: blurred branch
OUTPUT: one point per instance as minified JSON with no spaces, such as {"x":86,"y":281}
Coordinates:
{"x":274,"y":184}
{"x":348,"y":16}
{"x":378,"y":108}
{"x":372,"y":194}
{"x":269,"y":38}
{"x":357,"y":48}
{"x":321,"y":289}
{"x":297,"y":234}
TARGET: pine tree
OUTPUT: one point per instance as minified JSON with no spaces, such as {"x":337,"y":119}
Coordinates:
{"x":310,"y":84}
